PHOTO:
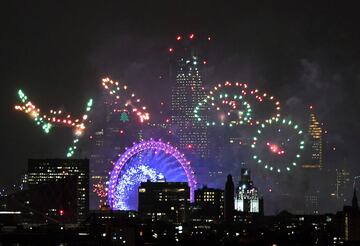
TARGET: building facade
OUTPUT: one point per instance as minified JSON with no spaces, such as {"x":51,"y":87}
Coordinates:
{"x":209,"y":204}
{"x":247,"y":198}
{"x":115,"y":129}
{"x":342,"y":184}
{"x":315,"y":152}
{"x":311,"y":204}
{"x":186,"y":94}
{"x":45,"y":171}
{"x":164,"y":201}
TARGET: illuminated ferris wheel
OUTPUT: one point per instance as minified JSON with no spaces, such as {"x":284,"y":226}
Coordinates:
{"x":148,"y":160}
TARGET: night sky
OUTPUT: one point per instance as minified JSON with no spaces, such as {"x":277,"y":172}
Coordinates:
{"x":57,"y":52}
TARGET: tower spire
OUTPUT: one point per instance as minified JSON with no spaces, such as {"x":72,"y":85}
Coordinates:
{"x":229,"y":202}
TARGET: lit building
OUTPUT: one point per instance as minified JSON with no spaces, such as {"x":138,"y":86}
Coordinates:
{"x":247,"y":198}
{"x":45,"y":171}
{"x":115,"y":129}
{"x":164,"y":201}
{"x":315,"y":133}
{"x":186,"y":94}
{"x":311,"y":204}
{"x":209,"y":203}
{"x":99,"y":167}
{"x":341,"y":185}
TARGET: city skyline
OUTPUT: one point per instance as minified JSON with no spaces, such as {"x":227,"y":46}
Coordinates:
{"x":179,"y":123}
{"x":52,"y":206}
{"x":300,"y":72}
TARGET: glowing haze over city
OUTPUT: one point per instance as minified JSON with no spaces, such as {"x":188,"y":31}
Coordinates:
{"x":169,"y":96}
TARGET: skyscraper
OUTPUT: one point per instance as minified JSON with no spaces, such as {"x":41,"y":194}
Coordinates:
{"x":45,"y":171}
{"x":229,"y":200}
{"x":342,"y":184}
{"x":115,"y":129}
{"x":315,"y":133}
{"x":311,"y":202}
{"x":186,"y":94}
{"x":354,"y":203}
{"x":247,"y":197}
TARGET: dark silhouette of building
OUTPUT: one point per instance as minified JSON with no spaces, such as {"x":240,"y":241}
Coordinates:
{"x":45,"y":171}
{"x":208,"y":206}
{"x":112,"y":227}
{"x":294,"y":229}
{"x":229,"y":202}
{"x":349,"y":222}
{"x":164,"y":201}
{"x":53,"y":202}
{"x":355,"y":204}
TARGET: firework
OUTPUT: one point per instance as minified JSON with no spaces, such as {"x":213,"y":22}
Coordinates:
{"x":54,"y":118}
{"x":125,"y":100}
{"x":278,"y":145}
{"x":100,"y":189}
{"x":130,"y":180}
{"x":229,"y":109}
{"x":234,"y":104}
{"x":151,"y":159}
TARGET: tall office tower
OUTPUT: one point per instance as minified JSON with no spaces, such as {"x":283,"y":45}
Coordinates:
{"x":342,"y":184}
{"x":98,"y":169}
{"x":354,"y":202}
{"x":315,"y":133}
{"x":210,"y":204}
{"x":45,"y":171}
{"x":311,"y":204}
{"x":115,"y":129}
{"x":186,"y":94}
{"x":164,"y":200}
{"x":229,"y":200}
{"x":247,"y":196}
